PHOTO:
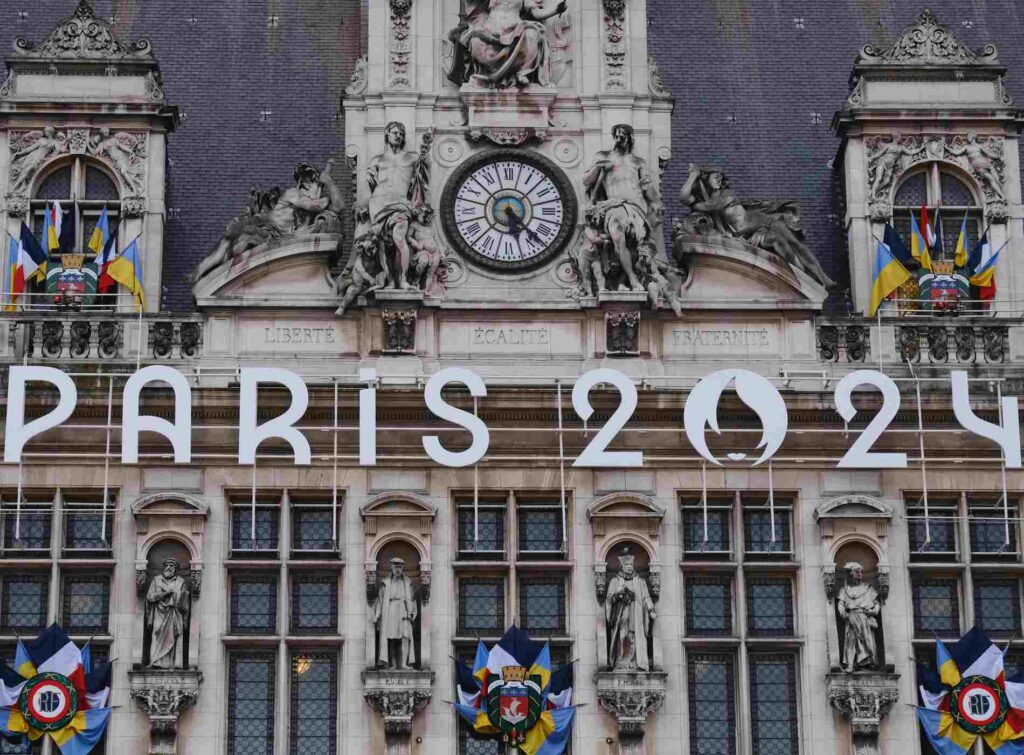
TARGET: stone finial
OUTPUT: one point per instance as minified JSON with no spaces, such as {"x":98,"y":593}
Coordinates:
{"x":84,"y":36}
{"x":926,"y":42}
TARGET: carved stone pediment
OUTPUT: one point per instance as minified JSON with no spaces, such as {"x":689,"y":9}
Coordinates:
{"x":853,"y":507}
{"x":926,"y":42}
{"x":398,"y":504}
{"x":626,"y":506}
{"x":170,"y":503}
{"x":84,"y":36}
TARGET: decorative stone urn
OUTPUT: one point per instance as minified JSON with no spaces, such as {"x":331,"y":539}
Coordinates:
{"x":865,"y":698}
{"x":631,"y":696}
{"x":164,"y":694}
{"x":398,"y":695}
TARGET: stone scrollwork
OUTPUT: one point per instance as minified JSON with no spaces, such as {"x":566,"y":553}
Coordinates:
{"x":359,"y":79}
{"x":372,"y":586}
{"x":622,"y":334}
{"x":17,"y":206}
{"x":656,"y":80}
{"x":397,"y":696}
{"x":864,"y":699}
{"x":163,"y":695}
{"x":981,"y":157}
{"x":399,"y":330}
{"x":631,"y":698}
{"x":83,"y":35}
{"x":520,"y":43}
{"x":616,"y":45}
{"x":601,"y":583}
{"x":399,"y":45}
{"x":928,"y":43}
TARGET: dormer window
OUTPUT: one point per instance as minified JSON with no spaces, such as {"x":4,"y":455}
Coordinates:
{"x":944,"y":192}
{"x":83,"y":189}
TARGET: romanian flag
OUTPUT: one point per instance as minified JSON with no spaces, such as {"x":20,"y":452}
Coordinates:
{"x":126,"y":269}
{"x":919,"y":243}
{"x":29,"y":262}
{"x":888,"y":275}
{"x":100,"y":233}
{"x":960,"y":260}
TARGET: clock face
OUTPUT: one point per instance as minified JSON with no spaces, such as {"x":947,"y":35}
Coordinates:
{"x":509,"y":209}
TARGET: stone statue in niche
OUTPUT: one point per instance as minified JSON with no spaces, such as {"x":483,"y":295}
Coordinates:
{"x":629,"y":613}
{"x":167,"y":606}
{"x":505,"y":43}
{"x":772,"y":226}
{"x":394,"y":614}
{"x":859,"y":609}
{"x":625,"y":205}
{"x":313,"y":205}
{"x":397,"y":215}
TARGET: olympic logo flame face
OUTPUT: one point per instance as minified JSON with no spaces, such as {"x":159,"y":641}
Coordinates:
{"x":755,"y":391}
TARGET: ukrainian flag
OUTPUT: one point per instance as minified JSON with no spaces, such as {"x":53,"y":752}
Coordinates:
{"x":100,"y":233}
{"x":127,"y":270}
{"x":960,"y":260}
{"x":919,"y":245}
{"x":888,"y":275}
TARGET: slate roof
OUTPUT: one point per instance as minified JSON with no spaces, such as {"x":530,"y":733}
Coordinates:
{"x":756,"y":84}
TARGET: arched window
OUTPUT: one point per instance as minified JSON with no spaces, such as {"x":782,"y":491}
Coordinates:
{"x":941,"y":190}
{"x":83,"y":188}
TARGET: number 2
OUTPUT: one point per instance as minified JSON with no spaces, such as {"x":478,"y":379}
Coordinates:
{"x":595,"y":454}
{"x":860,"y":455}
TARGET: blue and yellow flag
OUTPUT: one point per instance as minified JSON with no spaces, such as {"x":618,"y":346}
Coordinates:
{"x":127,"y":270}
{"x":100,"y":233}
{"x":919,"y":245}
{"x":888,"y":275}
{"x":960,"y":260}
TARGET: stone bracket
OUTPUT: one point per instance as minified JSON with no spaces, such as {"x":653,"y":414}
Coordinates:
{"x":631,"y":696}
{"x":864,"y":698}
{"x":163,"y":695}
{"x":397,"y":696}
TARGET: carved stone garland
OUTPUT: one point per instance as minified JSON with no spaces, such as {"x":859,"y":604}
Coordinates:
{"x":123,"y":151}
{"x":983,"y":160}
{"x":616,"y":46}
{"x":400,"y":44}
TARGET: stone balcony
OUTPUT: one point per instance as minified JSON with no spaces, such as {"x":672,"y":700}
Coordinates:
{"x":108,"y":337}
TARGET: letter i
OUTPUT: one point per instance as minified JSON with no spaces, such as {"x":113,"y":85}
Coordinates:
{"x":368,"y":419}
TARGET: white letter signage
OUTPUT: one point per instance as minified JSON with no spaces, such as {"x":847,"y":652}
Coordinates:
{"x":250,"y":435}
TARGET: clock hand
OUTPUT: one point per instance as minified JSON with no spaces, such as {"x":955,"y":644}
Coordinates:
{"x":515,"y":225}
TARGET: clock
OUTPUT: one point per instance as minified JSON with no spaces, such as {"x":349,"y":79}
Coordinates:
{"x":509,"y":209}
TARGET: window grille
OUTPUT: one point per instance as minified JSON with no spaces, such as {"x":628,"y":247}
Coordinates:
{"x":997,"y":607}
{"x":26,"y":532}
{"x":542,"y":606}
{"x":936,"y":607}
{"x":490,"y":526}
{"x":540,"y":530}
{"x":264,"y":545}
{"x":708,"y":606}
{"x":941,"y":527}
{"x":314,"y":704}
{"x":313,"y":529}
{"x":718,"y":545}
{"x":85,"y":604}
{"x":757,"y":528}
{"x":83,"y":189}
{"x":769,"y":606}
{"x":773,"y":705}
{"x":712,"y":704}
{"x":23,"y":601}
{"x":251,"y":703}
{"x":481,"y":606}
{"x":989,"y":530}
{"x":84,"y":535}
{"x":254,"y":604}
{"x":314,"y":604}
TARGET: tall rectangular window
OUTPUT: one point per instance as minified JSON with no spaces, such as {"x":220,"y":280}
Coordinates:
{"x":936,"y":607}
{"x":542,"y":605}
{"x":23,"y":601}
{"x":712,"y":704}
{"x":249,"y":539}
{"x":254,"y":603}
{"x":773,"y":706}
{"x":314,"y":704}
{"x":314,"y":604}
{"x":482,"y":530}
{"x":769,"y":606}
{"x":708,"y":606}
{"x":251,"y":703}
{"x":85,"y":604}
{"x":706,"y":530}
{"x":481,"y":606}
{"x":997,"y":607}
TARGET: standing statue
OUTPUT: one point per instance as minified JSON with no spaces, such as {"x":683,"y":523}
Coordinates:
{"x":629,"y":613}
{"x":393,"y":614}
{"x":859,"y":609}
{"x":620,"y":184}
{"x":889,"y":161}
{"x":167,"y":603}
{"x":28,"y":159}
{"x":983,"y":159}
{"x":503,"y":43}
{"x":773,"y":226}
{"x":313,"y":205}
{"x":399,"y":182}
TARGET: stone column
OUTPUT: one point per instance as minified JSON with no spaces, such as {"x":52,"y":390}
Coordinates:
{"x":398,"y":696}
{"x":164,"y":695}
{"x":631,"y":696}
{"x":865,"y":698}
